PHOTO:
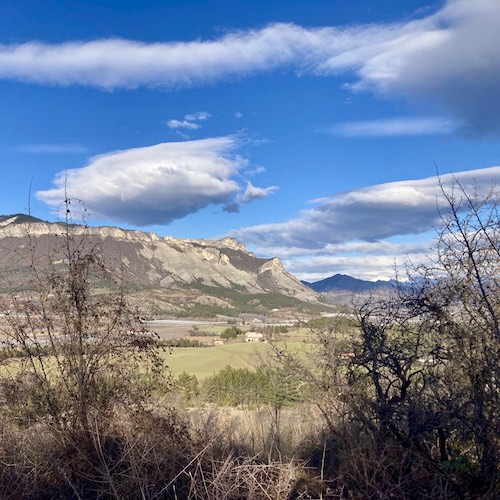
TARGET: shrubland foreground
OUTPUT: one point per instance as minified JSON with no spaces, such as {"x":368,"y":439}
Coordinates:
{"x":402,"y":402}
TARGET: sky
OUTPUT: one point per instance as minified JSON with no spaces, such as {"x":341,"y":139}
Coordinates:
{"x":314,"y":131}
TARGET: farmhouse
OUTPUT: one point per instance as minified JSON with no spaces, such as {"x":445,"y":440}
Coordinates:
{"x":254,"y":337}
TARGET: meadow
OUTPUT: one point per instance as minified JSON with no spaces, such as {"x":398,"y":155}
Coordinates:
{"x":206,"y":361}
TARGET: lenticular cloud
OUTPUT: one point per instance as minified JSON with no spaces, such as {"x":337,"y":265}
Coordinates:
{"x":372,"y":213}
{"x":155,"y":184}
{"x":448,"y":58}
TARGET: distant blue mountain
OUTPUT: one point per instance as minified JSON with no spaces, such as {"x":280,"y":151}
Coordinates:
{"x":343,"y":282}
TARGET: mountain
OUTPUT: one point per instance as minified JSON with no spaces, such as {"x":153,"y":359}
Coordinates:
{"x":171,"y":273}
{"x":346,"y":283}
{"x":17,"y":219}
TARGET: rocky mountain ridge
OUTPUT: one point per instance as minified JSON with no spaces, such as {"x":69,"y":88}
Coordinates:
{"x":149,"y":260}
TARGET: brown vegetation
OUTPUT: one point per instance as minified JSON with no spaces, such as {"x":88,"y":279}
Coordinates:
{"x":412,"y":399}
{"x":402,"y":403}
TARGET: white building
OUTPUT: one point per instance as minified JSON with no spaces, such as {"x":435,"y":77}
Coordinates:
{"x":254,"y":337}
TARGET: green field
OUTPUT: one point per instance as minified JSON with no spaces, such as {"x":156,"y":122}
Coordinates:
{"x":205,"y":361}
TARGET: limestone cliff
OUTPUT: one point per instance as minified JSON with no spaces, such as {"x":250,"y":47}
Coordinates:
{"x":150,"y":260}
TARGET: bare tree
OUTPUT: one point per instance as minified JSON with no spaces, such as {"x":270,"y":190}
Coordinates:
{"x":411,"y":394}
{"x":469,"y":265}
{"x":426,"y":365}
{"x":82,"y":348}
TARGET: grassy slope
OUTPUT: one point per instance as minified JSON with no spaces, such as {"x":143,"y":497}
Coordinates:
{"x":256,"y":302}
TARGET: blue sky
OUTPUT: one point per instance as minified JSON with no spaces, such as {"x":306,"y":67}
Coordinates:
{"x":310,"y":130}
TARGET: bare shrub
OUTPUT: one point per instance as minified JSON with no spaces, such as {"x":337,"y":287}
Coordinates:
{"x":85,"y":357}
{"x":410,"y":395}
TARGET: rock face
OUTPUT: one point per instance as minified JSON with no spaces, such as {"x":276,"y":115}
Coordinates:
{"x":152,"y":261}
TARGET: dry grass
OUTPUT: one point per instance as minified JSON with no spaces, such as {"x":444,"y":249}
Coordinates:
{"x":156,"y":455}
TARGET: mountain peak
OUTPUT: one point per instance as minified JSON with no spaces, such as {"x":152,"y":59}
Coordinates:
{"x":344,"y":282}
{"x":17,"y":219}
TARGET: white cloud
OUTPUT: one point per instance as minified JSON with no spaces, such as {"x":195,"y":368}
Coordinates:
{"x":155,"y":184}
{"x":189,"y":122}
{"x":393,"y":127}
{"x":366,"y":267}
{"x":255,"y":170}
{"x":368,"y":214}
{"x":369,"y":260}
{"x":255,"y":193}
{"x":448,"y":58}
{"x":185,"y":124}
{"x":199,"y":116}
{"x":366,"y":232}
{"x":116,"y":63}
{"x":363,"y":260}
